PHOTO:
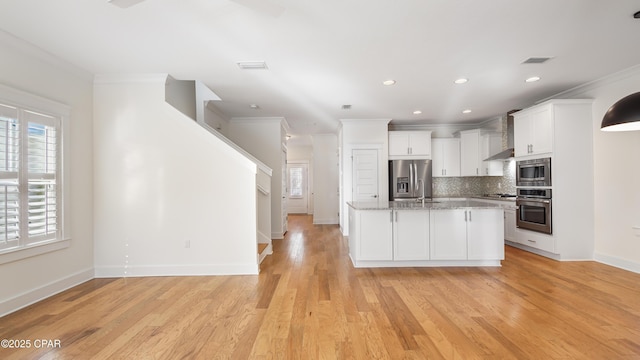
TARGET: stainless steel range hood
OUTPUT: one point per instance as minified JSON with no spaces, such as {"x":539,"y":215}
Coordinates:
{"x":502,"y":155}
{"x":508,"y":153}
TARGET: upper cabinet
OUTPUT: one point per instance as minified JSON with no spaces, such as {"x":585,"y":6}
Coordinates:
{"x":446,"y":157}
{"x":491,"y":144}
{"x":533,"y":130}
{"x":409,"y":145}
{"x":475,"y":146}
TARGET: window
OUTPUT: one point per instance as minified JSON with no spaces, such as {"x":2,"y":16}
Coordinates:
{"x":30,"y":171}
{"x":295,"y":178}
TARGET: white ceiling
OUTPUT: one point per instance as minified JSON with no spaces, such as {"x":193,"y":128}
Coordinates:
{"x":324,"y":54}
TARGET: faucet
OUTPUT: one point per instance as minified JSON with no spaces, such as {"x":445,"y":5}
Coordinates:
{"x":423,"y":195}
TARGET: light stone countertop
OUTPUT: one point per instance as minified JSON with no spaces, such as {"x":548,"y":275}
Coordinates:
{"x":429,"y":205}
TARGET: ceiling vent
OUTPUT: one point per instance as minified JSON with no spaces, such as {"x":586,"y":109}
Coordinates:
{"x":252,"y":65}
{"x":536,"y":60}
{"x":346,"y":107}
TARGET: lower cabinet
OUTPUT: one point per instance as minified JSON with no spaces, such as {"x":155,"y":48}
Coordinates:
{"x":394,"y":235}
{"x":448,"y":235}
{"x":411,"y":235}
{"x":426,"y":237}
{"x":510,"y":225}
{"x":464,"y":234}
{"x":484,"y":226}
{"x":375,"y":235}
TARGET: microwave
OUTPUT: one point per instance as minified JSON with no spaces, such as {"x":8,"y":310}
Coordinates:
{"x":536,"y":172}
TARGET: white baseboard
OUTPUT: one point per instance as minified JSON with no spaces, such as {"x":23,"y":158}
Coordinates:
{"x":176,"y":270}
{"x":267,"y":251}
{"x":263,"y":239}
{"x":33,"y":296}
{"x":277,"y":235}
{"x":618,"y":262}
{"x":328,"y":221}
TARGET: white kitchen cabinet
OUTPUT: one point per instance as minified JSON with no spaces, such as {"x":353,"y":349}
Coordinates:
{"x":446,"y":157}
{"x":536,"y":240}
{"x":533,"y":131}
{"x":491,"y":144}
{"x":510,"y":225}
{"x":411,"y":235}
{"x":475,"y":146}
{"x":467,"y":234}
{"x":409,"y":145}
{"x":470,"y":164}
{"x":448,"y":235}
{"x":562,"y":130}
{"x":375,"y":235}
{"x":483,"y":227}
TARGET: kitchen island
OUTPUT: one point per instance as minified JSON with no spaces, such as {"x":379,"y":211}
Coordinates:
{"x":461,"y":232}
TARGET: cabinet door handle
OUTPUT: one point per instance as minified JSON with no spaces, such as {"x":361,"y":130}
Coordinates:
{"x":396,"y":216}
{"x":391,"y":216}
{"x":469,"y":215}
{"x":465,"y":216}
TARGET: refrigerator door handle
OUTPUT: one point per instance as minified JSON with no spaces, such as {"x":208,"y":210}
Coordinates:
{"x":411,"y":178}
{"x":415,"y":182}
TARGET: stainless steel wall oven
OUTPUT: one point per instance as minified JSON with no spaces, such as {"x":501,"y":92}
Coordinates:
{"x":534,"y":210}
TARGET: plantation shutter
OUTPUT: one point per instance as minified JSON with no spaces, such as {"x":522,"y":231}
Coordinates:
{"x":42,"y":169}
{"x":9,"y":167}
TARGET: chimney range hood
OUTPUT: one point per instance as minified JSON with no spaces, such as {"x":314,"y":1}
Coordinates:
{"x":509,"y":152}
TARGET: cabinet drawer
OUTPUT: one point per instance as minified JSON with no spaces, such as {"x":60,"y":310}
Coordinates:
{"x":536,"y":240}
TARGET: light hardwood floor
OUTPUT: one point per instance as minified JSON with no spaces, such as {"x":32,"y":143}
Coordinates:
{"x":309,"y":302}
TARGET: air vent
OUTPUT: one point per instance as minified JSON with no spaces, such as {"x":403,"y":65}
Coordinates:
{"x":346,"y":107}
{"x":536,"y":60}
{"x":252,"y":65}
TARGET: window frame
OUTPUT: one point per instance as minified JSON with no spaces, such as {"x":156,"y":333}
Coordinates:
{"x":25,"y":101}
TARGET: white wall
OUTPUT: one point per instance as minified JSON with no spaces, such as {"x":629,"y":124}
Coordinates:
{"x":263,"y":138}
{"x":325,"y":155}
{"x":616,"y":175}
{"x":28,"y":69}
{"x":169,"y":197}
{"x":362,"y":134}
{"x":216,"y":119}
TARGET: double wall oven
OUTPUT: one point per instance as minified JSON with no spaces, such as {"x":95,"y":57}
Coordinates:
{"x":534,"y":200}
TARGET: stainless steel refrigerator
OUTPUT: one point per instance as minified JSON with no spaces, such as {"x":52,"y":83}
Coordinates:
{"x":409,"y":179}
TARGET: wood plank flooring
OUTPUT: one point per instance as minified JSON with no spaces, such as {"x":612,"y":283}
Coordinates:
{"x":310,"y":303}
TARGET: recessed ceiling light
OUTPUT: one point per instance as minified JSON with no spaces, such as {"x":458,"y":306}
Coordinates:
{"x":461,"y":81}
{"x":254,"y":106}
{"x":388,"y":82}
{"x":466,"y":111}
{"x":252,"y":65}
{"x":533,"y":79}
{"x":417,"y":112}
{"x":124,"y":3}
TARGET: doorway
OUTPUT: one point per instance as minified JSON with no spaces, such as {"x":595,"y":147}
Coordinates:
{"x":298,"y":184}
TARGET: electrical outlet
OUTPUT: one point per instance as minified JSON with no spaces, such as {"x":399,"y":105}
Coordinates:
{"x":636,"y":230}
{"x":187,"y":244}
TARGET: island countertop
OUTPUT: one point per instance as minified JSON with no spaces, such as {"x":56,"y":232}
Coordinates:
{"x":428,"y":205}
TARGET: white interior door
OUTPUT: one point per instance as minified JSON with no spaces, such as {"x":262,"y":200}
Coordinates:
{"x":365,"y":175}
{"x":298,"y":180}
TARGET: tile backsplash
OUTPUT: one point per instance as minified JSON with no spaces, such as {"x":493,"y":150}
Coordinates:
{"x":477,"y":185}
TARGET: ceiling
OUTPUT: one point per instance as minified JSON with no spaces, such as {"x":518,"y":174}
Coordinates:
{"x":322,"y":55}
